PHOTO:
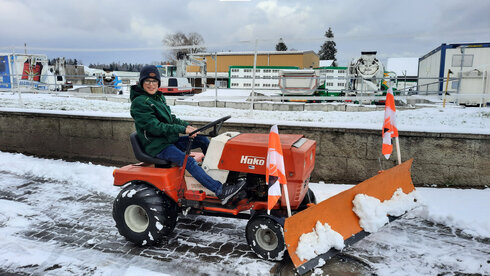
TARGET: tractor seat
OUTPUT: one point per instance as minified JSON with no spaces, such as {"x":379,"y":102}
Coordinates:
{"x":143,"y":156}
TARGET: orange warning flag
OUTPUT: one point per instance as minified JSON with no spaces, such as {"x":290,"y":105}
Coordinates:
{"x":389,"y":125}
{"x":274,"y":171}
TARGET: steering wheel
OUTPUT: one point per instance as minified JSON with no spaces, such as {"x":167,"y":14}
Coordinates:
{"x":216,"y":124}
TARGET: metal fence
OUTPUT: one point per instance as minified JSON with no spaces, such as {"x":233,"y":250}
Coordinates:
{"x":468,"y":90}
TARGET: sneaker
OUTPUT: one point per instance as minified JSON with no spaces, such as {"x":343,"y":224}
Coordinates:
{"x":230,"y":190}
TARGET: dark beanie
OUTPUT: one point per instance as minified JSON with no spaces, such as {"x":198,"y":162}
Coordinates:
{"x":149,"y":71}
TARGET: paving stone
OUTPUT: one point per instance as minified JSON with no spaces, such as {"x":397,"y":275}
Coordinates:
{"x":210,"y":258}
{"x":226,"y":248}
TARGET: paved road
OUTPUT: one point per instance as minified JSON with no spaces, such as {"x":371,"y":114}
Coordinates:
{"x":68,"y":220}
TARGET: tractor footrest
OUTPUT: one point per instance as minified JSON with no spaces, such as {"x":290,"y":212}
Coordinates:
{"x":195,"y":195}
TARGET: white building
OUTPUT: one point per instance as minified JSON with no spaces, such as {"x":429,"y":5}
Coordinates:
{"x":467,"y":65}
{"x":332,"y":79}
{"x":266,"y":77}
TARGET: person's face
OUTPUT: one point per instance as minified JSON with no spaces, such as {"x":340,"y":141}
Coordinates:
{"x":150,"y":85}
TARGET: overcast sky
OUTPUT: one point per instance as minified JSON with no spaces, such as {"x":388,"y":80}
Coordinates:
{"x":392,"y":28}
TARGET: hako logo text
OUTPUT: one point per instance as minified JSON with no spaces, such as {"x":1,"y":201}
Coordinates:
{"x":252,"y":160}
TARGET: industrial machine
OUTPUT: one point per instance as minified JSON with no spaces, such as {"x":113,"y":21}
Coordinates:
{"x":26,"y":71}
{"x":366,"y":77}
{"x":174,"y":77}
{"x":296,"y":82}
{"x":365,"y":74}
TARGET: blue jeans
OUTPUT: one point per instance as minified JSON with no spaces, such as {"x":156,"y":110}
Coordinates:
{"x":176,"y":154}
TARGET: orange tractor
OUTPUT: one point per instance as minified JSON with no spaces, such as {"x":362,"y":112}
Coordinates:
{"x":155,"y":193}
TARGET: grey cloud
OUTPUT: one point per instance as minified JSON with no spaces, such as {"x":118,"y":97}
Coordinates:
{"x":394,"y":28}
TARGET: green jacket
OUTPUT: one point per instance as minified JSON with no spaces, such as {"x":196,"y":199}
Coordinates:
{"x":155,"y":124}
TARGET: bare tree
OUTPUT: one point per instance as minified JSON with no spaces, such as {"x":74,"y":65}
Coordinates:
{"x":175,"y":41}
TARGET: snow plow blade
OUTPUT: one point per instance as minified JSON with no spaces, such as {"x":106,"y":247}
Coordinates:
{"x":337,"y":212}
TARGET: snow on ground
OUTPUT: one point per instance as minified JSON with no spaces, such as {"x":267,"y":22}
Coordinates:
{"x":407,"y":246}
{"x":451,"y":119}
{"x":235,"y":95}
{"x":449,"y":231}
{"x":465,"y":209}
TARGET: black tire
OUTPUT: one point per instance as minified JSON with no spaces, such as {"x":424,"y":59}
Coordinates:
{"x":265,"y":236}
{"x":309,"y":198}
{"x":143,"y":214}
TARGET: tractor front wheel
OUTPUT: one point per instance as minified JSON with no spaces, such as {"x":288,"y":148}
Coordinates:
{"x":265,"y":236}
{"x":143,"y":214}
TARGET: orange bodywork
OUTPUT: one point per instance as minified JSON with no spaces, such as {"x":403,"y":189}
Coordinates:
{"x":248,"y":152}
{"x":337,"y":210}
{"x":167,"y":179}
{"x":245,"y":153}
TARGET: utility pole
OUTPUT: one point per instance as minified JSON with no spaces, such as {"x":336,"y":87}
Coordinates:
{"x":462,"y":49}
{"x":216,"y":79}
{"x":253,"y":77}
{"x":405,"y":82}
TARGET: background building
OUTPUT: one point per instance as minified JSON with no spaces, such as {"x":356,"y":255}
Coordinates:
{"x":266,"y":77}
{"x":467,"y":63}
{"x":332,"y":79}
{"x":218,"y":64}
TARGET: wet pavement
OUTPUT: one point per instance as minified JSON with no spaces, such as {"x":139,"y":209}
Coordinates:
{"x":71,"y":218}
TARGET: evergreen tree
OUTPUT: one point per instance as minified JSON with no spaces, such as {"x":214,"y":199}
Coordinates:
{"x":117,"y":66}
{"x":281,"y":46}
{"x":328,"y":50}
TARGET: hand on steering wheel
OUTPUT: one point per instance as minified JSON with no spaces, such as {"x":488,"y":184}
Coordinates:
{"x":190,"y":129}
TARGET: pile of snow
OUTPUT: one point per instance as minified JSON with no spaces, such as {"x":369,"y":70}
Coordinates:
{"x":320,"y":241}
{"x":95,"y":177}
{"x":373,"y":214}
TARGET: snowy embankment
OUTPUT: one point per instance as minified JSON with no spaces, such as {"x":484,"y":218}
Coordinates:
{"x":464,"y":210}
{"x":432,"y":119}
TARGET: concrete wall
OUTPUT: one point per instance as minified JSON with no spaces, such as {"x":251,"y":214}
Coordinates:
{"x":343,"y":155}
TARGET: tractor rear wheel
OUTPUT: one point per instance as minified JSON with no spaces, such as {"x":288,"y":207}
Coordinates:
{"x":143,"y":214}
{"x":265,"y":236}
